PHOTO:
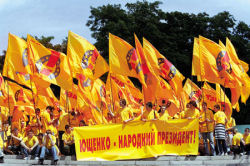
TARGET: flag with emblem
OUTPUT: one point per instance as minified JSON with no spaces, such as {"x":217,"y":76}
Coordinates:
{"x":163,"y":67}
{"x":16,"y":65}
{"x":209,"y":95}
{"x":219,"y":69}
{"x":193,"y":91}
{"x":152,"y":81}
{"x":123,"y":59}
{"x":71,"y":96}
{"x":84,"y":57}
{"x":49,"y":65}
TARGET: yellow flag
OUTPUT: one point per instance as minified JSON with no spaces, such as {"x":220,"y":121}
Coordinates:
{"x":162,"y":66}
{"x":219,"y":68}
{"x":84,"y":57}
{"x":240,"y":69}
{"x":68,"y":98}
{"x":22,"y":97}
{"x":123,"y":59}
{"x":196,"y":61}
{"x":193,"y":91}
{"x":16,"y":65}
{"x":223,"y":100}
{"x":49,"y":65}
{"x":209,"y":95}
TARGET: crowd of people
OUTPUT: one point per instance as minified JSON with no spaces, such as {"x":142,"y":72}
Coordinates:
{"x":50,"y":131}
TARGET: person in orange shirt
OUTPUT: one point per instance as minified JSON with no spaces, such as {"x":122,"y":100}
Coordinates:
{"x":69,"y":142}
{"x":35,"y":122}
{"x":125,"y":112}
{"x":163,"y":112}
{"x":220,"y":119}
{"x":207,"y":128}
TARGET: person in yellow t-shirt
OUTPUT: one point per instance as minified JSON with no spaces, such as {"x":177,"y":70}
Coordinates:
{"x":35,"y":122}
{"x":149,"y":113}
{"x":15,"y":141}
{"x":192,"y":112}
{"x":207,"y":129}
{"x":63,"y":121}
{"x":220,"y":119}
{"x":237,"y":143}
{"x":49,"y":147}
{"x":1,"y":150}
{"x":247,"y":145}
{"x":230,"y":125}
{"x":125,"y":112}
{"x":163,"y":113}
{"x":30,"y":145}
{"x":246,"y":134}
{"x":46,"y":118}
{"x":69,"y":142}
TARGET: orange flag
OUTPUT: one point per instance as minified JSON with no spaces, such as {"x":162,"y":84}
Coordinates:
{"x":196,"y":61}
{"x":209,"y":95}
{"x":84,"y":57}
{"x":49,"y":65}
{"x":16,"y":65}
{"x":124,"y":59}
{"x":163,"y":67}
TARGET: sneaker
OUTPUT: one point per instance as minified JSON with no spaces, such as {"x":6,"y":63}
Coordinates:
{"x":26,"y":158}
{"x":222,"y":154}
{"x":241,"y":154}
{"x":1,"y":160}
{"x":36,"y":158}
{"x":55,"y":162}
{"x":225,"y":154}
{"x":41,"y":162}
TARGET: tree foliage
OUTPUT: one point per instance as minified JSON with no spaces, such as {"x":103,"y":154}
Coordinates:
{"x":172,"y":33}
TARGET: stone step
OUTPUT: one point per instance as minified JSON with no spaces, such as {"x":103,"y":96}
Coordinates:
{"x":160,"y":158}
{"x":141,"y":162}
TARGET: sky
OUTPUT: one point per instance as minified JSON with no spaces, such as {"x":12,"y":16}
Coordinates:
{"x":57,"y":17}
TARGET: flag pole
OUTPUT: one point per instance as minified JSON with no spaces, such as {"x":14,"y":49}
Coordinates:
{"x":111,"y":95}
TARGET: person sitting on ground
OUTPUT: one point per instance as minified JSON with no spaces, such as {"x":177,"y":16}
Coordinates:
{"x":149,"y":113}
{"x":15,"y":141}
{"x":246,"y":134}
{"x":68,"y":140}
{"x":247,"y":144}
{"x":30,"y":145}
{"x":237,"y":143}
{"x":220,"y":119}
{"x":49,"y":147}
{"x":192,"y":112}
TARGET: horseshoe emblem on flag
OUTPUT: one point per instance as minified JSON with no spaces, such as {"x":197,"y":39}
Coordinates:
{"x":49,"y":65}
{"x":89,"y":59}
{"x":167,"y":70}
{"x":132,"y":61}
{"x":222,"y":62}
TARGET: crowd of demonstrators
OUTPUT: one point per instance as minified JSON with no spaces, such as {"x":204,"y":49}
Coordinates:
{"x":50,"y":131}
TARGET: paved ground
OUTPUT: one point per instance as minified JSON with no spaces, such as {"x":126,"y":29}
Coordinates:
{"x":11,"y":160}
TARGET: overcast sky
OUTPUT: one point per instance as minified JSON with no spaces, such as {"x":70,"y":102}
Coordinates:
{"x":56,"y":17}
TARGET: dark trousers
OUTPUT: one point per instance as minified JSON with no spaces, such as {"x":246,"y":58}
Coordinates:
{"x":222,"y":146}
{"x":247,"y":149}
{"x":15,"y":149}
{"x":69,"y":149}
{"x":237,"y":149}
{"x":61,"y":144}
